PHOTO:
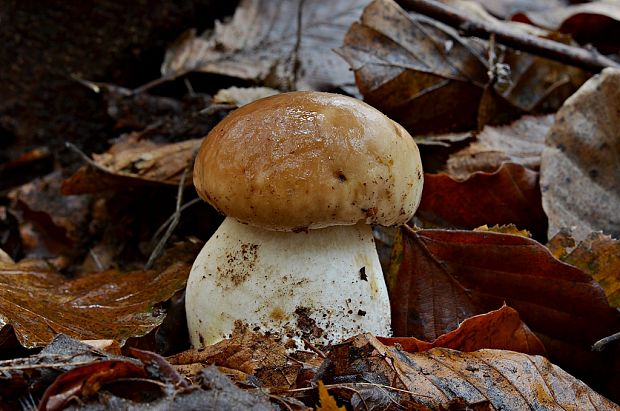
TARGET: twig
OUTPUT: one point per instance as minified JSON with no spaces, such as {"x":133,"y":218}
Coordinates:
{"x":575,"y":56}
{"x":151,"y":84}
{"x":601,"y":344}
{"x":159,"y":248}
{"x":171,"y":218}
{"x":84,"y":157}
{"x":313,"y":348}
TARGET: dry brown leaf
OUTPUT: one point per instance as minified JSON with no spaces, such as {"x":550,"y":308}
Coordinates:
{"x":50,"y":224}
{"x":263,"y":43}
{"x":406,"y":63}
{"x":443,"y":277}
{"x":504,"y":229}
{"x":39,"y":303}
{"x":521,"y":142}
{"x":561,"y":244}
{"x":240,"y":96}
{"x":439,"y":377}
{"x":599,"y":256}
{"x":500,"y":329}
{"x":596,"y":22}
{"x":326,"y":401}
{"x":248,"y":353}
{"x":580,"y":167}
{"x":133,"y":162}
{"x":506,"y":8}
{"x":508,"y":195}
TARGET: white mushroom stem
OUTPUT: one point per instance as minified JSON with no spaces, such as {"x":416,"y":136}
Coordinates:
{"x":324,"y":285}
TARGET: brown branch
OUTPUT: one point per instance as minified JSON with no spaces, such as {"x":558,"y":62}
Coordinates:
{"x":589,"y":60}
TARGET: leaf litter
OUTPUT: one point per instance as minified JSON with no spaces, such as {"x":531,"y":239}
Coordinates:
{"x":473,"y":311}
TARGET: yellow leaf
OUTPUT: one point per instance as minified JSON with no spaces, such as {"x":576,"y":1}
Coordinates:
{"x":326,"y":401}
{"x":505,"y":229}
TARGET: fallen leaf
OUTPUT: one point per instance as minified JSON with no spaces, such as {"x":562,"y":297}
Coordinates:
{"x":138,"y":163}
{"x":406,"y":63}
{"x":252,"y":354}
{"x":499,"y":329}
{"x":85,"y":381}
{"x":157,"y":367}
{"x":51,"y":225}
{"x":561,"y":244}
{"x":596,"y":22}
{"x":506,"y":8}
{"x":39,"y":303}
{"x":580,"y":166}
{"x":31,"y":375}
{"x":520,"y":142}
{"x":509,"y":195}
{"x":504,"y":229}
{"x":240,"y":96}
{"x":326,"y":401}
{"x":444,"y":277}
{"x":438,"y":378}
{"x":599,"y":256}
{"x":265,"y":43}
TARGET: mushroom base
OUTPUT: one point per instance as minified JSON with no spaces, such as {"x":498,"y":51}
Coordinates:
{"x":324,"y":285}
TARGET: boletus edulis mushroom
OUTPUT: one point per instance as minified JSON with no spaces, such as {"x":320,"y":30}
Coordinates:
{"x":300,"y":177}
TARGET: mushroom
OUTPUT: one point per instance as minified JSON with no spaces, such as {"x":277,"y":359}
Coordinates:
{"x":299,"y":177}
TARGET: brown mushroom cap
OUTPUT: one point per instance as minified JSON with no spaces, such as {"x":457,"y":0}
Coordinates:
{"x":307,"y":160}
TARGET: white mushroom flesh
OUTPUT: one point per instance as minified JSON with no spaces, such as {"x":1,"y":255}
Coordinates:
{"x":324,"y":285}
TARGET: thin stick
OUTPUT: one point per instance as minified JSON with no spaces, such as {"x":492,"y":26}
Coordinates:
{"x":589,"y":60}
{"x":159,"y":248}
{"x":603,"y":342}
{"x":313,"y":348}
{"x":171,"y":218}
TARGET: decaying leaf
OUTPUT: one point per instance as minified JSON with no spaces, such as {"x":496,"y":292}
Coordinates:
{"x":133,"y":162}
{"x":32,"y":374}
{"x":504,"y":229}
{"x":50,"y":225}
{"x":509,"y":195}
{"x":599,"y":256}
{"x":326,"y":401}
{"x":444,"y":277}
{"x":521,"y":142}
{"x":284,"y":44}
{"x":487,"y":379}
{"x":406,"y":63}
{"x":500,"y":329}
{"x":596,"y":22}
{"x":86,"y":380}
{"x":249,"y":354}
{"x":506,"y":8}
{"x":39,"y":303}
{"x":240,"y":96}
{"x":580,"y":167}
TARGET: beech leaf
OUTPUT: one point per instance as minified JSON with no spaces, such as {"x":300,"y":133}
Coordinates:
{"x":326,"y":401}
{"x":580,"y":167}
{"x":39,"y":303}
{"x":444,"y":277}
{"x":509,"y":195}
{"x":264,"y":43}
{"x":442,"y":378}
{"x":520,"y":142}
{"x":599,"y":256}
{"x":134,"y":162}
{"x":499,"y":329}
{"x":405,"y":63}
{"x":596,"y":22}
